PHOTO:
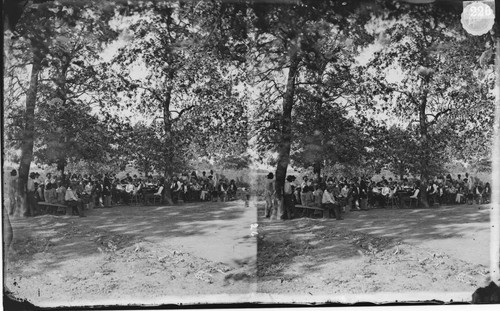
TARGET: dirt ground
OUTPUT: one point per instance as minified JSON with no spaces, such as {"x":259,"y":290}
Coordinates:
{"x":210,"y":253}
{"x":134,"y":255}
{"x":381,"y":254}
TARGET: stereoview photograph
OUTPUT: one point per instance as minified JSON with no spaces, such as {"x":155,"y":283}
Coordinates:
{"x":230,"y":152}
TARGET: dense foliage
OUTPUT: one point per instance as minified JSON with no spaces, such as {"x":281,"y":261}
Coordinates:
{"x":321,"y":84}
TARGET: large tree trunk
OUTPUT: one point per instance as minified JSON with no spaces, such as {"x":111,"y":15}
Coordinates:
{"x":317,"y":169}
{"x":61,"y":165}
{"x":425,"y":156}
{"x":168,"y":138}
{"x":28,"y":134}
{"x":286,"y":132}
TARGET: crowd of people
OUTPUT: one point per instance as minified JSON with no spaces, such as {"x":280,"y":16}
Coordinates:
{"x":334,"y":195}
{"x":103,"y":191}
{"x":340,"y":195}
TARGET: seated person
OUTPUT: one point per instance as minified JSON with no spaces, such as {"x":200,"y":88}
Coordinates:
{"x":204,"y":191}
{"x":414,"y":196}
{"x":159,"y":193}
{"x":432,"y":192}
{"x":175,"y":188}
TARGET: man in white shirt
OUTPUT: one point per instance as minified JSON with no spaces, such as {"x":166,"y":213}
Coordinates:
{"x":329,"y":203}
{"x":269,"y":195}
{"x":73,"y":201}
{"x":385,"y":194}
{"x":129,"y":190}
{"x":288,"y":203}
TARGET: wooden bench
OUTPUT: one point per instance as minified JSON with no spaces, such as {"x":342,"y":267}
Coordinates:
{"x":313,"y":208}
{"x":53,"y":207}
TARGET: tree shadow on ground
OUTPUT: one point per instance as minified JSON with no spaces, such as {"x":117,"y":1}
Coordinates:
{"x":105,"y":231}
{"x":282,"y":244}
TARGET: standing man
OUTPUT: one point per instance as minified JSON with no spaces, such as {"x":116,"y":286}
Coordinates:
{"x":73,"y":201}
{"x":304,"y":196}
{"x":30,"y":195}
{"x":355,"y":195}
{"x":269,"y":195}
{"x":106,"y":190}
{"x":288,"y":198}
{"x":329,"y":203}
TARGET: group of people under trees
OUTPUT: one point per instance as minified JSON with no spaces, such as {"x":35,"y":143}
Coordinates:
{"x":339,"y":195}
{"x":105,"y":190}
{"x":189,"y":188}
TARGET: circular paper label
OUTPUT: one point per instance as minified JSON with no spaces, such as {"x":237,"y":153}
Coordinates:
{"x":478,"y":18}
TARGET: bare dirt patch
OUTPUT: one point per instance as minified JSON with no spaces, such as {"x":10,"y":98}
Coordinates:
{"x":329,"y":257}
{"x":133,"y":253}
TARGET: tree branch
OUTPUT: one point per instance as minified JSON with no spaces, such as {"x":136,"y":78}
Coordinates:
{"x":438,"y":115}
{"x":181,"y":112}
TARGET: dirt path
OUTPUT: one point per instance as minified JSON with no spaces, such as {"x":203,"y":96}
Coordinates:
{"x":432,"y":253}
{"x":203,"y":252}
{"x":134,"y":254}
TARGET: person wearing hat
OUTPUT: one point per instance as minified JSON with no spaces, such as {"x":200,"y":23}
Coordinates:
{"x":269,"y":195}
{"x":73,"y":201}
{"x":330,"y":204}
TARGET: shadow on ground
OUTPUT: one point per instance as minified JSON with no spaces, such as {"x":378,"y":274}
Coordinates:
{"x":108,"y":230}
{"x":292,"y":248}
